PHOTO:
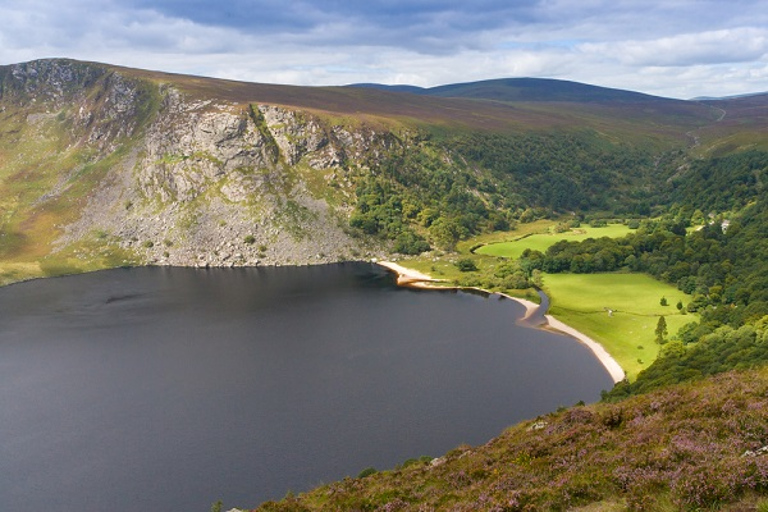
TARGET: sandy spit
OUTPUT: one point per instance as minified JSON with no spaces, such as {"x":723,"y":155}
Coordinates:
{"x":610,"y":364}
{"x":415,"y":279}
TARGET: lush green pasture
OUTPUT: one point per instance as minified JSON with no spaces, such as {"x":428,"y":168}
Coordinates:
{"x":583,"y":300}
{"x":541,"y":241}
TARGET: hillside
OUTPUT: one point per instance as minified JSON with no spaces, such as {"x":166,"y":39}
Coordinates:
{"x":743,"y":125}
{"x":700,"y":446}
{"x":526,"y":90}
{"x":103,"y":166}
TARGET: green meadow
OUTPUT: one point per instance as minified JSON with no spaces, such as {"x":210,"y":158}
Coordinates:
{"x":628,"y":332}
{"x":580,"y":300}
{"x":541,"y":241}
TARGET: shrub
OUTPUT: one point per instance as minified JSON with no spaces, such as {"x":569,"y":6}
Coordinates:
{"x":249,"y":239}
{"x":466,"y":265}
{"x":367,"y":472}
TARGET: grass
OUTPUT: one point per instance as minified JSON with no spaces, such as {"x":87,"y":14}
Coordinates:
{"x":582,"y":300}
{"x":445,"y":269}
{"x":579,"y":300}
{"x":543,"y":240}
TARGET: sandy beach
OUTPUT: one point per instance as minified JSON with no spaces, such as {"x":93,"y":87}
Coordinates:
{"x":610,"y":364}
{"x":407,"y":276}
{"x":416,"y":279}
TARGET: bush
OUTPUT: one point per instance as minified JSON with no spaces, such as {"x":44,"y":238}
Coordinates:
{"x":410,"y":243}
{"x":249,"y":239}
{"x":466,"y":265}
{"x":367,"y":472}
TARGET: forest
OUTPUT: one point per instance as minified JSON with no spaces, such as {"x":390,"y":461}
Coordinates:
{"x":722,"y":262}
{"x":709,"y":236}
{"x":441,"y":189}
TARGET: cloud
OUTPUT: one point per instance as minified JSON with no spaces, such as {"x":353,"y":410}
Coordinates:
{"x":636,"y":44}
{"x":717,"y":47}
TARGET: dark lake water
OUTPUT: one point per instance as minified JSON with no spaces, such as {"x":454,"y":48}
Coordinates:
{"x":157,"y":389}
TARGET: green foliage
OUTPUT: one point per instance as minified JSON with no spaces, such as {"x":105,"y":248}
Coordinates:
{"x":430,"y":186}
{"x":249,"y":239}
{"x":722,"y":270}
{"x":663,"y":301}
{"x":721,"y":184}
{"x":415,"y":190}
{"x":661,"y":330}
{"x":408,"y":242}
{"x":560,"y":171}
{"x":367,"y":472}
{"x":466,"y":265}
{"x":719,"y":351}
{"x":542,"y":241}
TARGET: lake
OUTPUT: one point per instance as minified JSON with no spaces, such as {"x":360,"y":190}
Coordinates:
{"x":171,"y":388}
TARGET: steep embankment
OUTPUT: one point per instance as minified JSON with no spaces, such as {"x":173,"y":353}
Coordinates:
{"x":102,"y":167}
{"x":694,"y":447}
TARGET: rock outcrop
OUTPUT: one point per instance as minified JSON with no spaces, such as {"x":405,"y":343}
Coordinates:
{"x":194,"y":180}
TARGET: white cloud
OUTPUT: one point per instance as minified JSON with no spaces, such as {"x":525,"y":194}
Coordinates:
{"x":678,"y":48}
{"x":745,"y":44}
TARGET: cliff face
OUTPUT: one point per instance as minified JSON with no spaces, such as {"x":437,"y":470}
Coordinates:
{"x":174,"y":178}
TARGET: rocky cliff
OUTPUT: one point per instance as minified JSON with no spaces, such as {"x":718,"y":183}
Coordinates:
{"x":174,"y":178}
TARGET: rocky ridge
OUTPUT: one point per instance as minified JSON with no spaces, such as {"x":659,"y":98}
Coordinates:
{"x":198,"y":181}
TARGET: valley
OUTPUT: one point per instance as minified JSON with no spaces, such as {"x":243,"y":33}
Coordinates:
{"x":626,"y":209}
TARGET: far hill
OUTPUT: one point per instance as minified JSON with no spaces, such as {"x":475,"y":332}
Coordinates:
{"x":742,"y":124}
{"x":524,"y":90}
{"x":513,"y":105}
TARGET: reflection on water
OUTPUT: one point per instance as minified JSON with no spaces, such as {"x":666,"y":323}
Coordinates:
{"x":168,"y":389}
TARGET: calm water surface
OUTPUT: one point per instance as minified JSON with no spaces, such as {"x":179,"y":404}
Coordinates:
{"x":167,"y":389}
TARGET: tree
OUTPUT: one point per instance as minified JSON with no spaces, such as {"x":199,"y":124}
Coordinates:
{"x":680,"y":305}
{"x":445,"y":233}
{"x":663,"y":302}
{"x":466,"y":265}
{"x":661,"y":331}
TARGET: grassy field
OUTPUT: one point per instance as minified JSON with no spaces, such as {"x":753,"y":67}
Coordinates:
{"x":541,"y":241}
{"x":582,"y":300}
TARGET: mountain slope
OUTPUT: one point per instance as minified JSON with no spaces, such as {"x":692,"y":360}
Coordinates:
{"x":523,"y":90}
{"x":696,"y":447}
{"x":102,"y":165}
{"x":539,"y":89}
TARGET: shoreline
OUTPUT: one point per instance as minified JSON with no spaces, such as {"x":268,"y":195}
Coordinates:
{"x":414,"y":279}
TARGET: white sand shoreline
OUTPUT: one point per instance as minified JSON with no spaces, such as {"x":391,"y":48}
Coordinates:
{"x":415,"y":279}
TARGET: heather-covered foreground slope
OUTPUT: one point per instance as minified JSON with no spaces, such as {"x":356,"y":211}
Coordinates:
{"x":693,"y":447}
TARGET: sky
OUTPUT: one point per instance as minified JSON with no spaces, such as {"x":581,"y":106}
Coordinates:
{"x":674,"y":48}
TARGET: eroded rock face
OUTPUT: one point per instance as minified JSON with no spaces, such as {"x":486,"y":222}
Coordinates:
{"x":208,"y":183}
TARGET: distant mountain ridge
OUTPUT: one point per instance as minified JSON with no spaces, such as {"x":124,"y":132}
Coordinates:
{"x":523,"y":90}
{"x":729,"y":97}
